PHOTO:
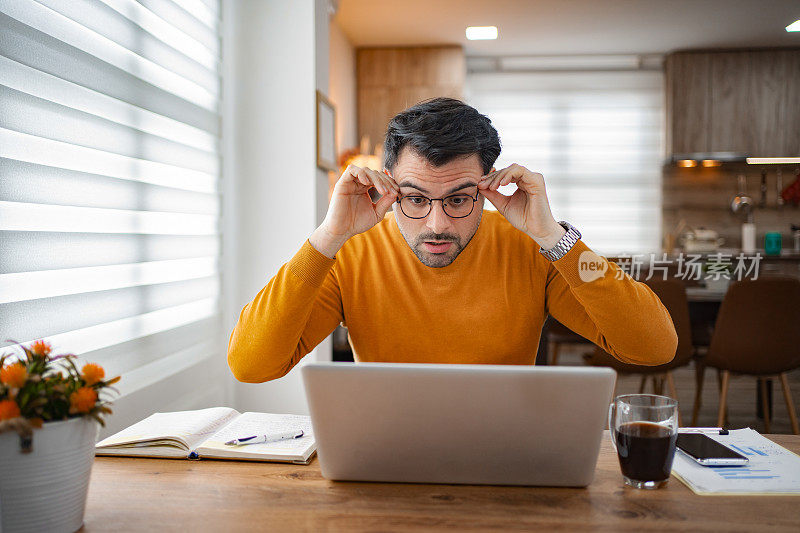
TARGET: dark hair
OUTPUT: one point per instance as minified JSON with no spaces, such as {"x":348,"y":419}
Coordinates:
{"x":441,"y":130}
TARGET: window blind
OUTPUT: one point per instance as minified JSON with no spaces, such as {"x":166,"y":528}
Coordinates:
{"x":110,"y":181}
{"x":596,"y":138}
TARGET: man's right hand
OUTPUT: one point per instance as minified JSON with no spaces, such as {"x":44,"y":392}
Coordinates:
{"x":351,"y":210}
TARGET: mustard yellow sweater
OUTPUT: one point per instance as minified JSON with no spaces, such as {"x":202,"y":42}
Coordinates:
{"x":488,"y":306}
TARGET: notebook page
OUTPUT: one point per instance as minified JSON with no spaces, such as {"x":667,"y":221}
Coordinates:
{"x":265,"y":423}
{"x":186,"y":427}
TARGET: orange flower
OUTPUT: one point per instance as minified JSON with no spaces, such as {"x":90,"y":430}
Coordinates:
{"x":8,"y":409}
{"x":14,"y":375}
{"x":40,"y":348}
{"x":83,"y":399}
{"x":92,"y":373}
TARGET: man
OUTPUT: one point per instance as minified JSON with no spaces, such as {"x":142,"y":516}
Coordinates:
{"x":439,"y":280}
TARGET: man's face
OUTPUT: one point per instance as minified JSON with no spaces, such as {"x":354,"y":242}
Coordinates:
{"x":417,"y":176}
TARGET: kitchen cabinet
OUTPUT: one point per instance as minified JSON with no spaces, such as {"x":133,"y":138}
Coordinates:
{"x":688,"y":106}
{"x":733,"y":101}
{"x":392,"y":79}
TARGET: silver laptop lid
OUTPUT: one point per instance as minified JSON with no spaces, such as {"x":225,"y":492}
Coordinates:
{"x":478,"y":424}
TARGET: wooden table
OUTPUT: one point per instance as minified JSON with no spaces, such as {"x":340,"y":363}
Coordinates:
{"x":178,"y":495}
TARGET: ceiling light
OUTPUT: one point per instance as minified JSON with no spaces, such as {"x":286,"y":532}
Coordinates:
{"x":794,"y":26}
{"x":687,"y":163}
{"x":711,"y":163}
{"x":481,"y":33}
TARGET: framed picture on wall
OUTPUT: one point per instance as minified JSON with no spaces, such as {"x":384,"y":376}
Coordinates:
{"x":326,"y":134}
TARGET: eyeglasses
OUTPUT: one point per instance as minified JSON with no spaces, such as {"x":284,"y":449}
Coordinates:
{"x":455,"y":205}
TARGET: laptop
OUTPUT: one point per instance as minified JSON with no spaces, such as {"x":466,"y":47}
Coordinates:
{"x":473,"y":424}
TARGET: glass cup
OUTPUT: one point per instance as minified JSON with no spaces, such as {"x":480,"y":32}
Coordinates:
{"x":644,"y":428}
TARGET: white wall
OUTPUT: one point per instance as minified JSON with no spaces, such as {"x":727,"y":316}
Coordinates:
{"x":276,"y":54}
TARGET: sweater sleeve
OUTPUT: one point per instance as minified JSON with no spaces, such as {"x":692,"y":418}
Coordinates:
{"x":608,"y":307}
{"x":299,"y":307}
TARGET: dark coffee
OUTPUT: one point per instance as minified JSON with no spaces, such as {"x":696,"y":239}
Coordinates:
{"x":645,"y":450}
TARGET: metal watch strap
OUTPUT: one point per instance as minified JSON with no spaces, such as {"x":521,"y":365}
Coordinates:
{"x":564,"y":244}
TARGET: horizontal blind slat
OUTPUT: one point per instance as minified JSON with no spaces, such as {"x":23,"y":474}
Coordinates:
{"x":165,"y":32}
{"x":49,"y":22}
{"x":18,"y":216}
{"x":213,"y":6}
{"x":128,"y":355}
{"x":28,"y":114}
{"x":40,"y":51}
{"x":33,"y":149}
{"x":100,"y":336}
{"x":45,"y":317}
{"x":200,"y":11}
{"x":31,"y":183}
{"x":47,"y":87}
{"x":180,"y":18}
{"x":20,"y":286}
{"x":174,"y":363}
{"x":110,"y":24}
{"x":28,"y":251}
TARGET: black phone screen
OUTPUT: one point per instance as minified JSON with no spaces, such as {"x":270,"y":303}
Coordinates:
{"x":701,"y":446}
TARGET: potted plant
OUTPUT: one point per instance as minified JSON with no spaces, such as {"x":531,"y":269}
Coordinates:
{"x":49,"y":416}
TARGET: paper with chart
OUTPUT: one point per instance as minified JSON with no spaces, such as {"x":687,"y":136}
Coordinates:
{"x":772,"y":469}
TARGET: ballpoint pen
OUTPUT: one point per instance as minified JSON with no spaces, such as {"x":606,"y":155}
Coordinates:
{"x":258,"y":439}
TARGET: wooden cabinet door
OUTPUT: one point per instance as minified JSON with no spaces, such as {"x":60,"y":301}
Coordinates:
{"x":788,"y":124}
{"x":687,"y":78}
{"x":732,"y":121}
{"x":768,"y":78}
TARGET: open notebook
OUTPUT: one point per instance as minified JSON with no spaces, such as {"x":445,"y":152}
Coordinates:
{"x":203,"y":433}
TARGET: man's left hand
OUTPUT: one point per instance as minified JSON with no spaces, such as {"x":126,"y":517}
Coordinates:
{"x":527,"y":209}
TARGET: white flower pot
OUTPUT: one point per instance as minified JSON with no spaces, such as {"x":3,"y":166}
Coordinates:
{"x":45,"y":490}
{"x":718,"y":285}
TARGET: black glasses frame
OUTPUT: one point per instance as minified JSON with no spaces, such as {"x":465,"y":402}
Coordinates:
{"x":431,"y":200}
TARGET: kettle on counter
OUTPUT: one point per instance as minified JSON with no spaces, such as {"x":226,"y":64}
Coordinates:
{"x":701,"y":240}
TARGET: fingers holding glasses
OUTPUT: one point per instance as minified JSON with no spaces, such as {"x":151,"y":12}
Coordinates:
{"x":512,"y":174}
{"x":490,"y":181}
{"x":383,"y":183}
{"x":365,"y":179}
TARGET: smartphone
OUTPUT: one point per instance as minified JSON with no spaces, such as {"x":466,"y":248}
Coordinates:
{"x":707,"y":451}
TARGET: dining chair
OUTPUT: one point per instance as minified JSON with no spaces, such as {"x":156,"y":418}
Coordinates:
{"x":757,"y":333}
{"x":672,"y":294}
{"x":559,"y":335}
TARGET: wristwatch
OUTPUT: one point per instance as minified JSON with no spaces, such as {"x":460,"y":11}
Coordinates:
{"x":564,"y":244}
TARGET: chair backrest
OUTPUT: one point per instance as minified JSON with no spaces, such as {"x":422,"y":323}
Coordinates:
{"x":758,"y":327}
{"x":672,"y":294}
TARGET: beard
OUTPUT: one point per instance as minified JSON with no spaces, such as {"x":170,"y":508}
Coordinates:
{"x":437,"y":260}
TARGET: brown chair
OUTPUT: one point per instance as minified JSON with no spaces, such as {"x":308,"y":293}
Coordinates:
{"x":758,"y":334}
{"x":672,"y":294}
{"x":558,"y":335}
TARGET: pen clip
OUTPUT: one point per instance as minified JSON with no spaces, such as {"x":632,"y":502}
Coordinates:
{"x":234,"y":442}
